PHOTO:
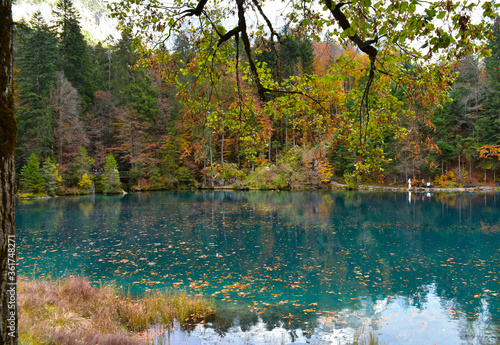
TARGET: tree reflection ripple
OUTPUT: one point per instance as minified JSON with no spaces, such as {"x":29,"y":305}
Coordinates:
{"x":302,"y":266}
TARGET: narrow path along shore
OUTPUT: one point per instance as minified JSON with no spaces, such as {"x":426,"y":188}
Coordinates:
{"x":372,"y":188}
{"x":484,"y":189}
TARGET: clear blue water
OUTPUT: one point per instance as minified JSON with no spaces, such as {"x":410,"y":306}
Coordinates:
{"x":287,"y":267}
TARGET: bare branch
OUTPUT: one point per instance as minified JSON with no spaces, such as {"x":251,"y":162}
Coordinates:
{"x":268,"y":22}
{"x":228,"y":35}
{"x":364,"y":46}
{"x":195,"y":11}
{"x":368,"y":49}
{"x":246,"y":44}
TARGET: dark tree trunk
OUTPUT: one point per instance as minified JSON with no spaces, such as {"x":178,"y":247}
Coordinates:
{"x":8,"y":132}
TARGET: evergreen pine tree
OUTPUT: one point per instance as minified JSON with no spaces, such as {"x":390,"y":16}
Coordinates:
{"x":75,"y":60}
{"x":37,"y":64}
{"x":110,"y":180}
{"x":297,"y":56}
{"x":132,"y":87}
{"x":489,"y":126}
{"x":100,"y":56}
{"x":123,"y":58}
{"x":82,"y":165}
{"x":31,"y":178}
{"x":141,"y":97}
{"x":39,"y":59}
{"x":51,"y":175}
{"x":292,"y":56}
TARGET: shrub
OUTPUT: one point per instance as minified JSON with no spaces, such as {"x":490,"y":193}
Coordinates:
{"x":352,"y":181}
{"x":324,"y":170}
{"x":229,"y":173}
{"x":446,"y":180}
{"x":110,"y":180}
{"x":26,"y":195}
{"x":86,"y":182}
{"x":272,"y":177}
{"x":52,"y":177}
{"x":184,"y":176}
{"x":82,"y":164}
{"x":293,"y":158}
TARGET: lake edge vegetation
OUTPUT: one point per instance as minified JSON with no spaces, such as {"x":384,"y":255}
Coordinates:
{"x":72,"y":311}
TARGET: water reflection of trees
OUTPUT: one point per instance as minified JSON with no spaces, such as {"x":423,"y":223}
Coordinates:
{"x":332,"y":249}
{"x":430,"y":232}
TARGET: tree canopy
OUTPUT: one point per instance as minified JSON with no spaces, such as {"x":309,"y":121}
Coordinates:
{"x":410,"y":48}
{"x":416,"y":30}
{"x":181,"y":106}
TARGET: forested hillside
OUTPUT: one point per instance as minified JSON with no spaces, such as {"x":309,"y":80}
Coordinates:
{"x":90,"y":114}
{"x":95,"y":21}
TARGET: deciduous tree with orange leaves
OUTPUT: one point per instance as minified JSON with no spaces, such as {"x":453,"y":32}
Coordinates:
{"x":427,"y":35}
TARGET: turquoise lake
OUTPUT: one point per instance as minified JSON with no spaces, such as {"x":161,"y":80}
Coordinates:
{"x":287,"y":267}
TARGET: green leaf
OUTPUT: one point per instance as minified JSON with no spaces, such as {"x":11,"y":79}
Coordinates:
{"x":430,"y":13}
{"x":412,"y":7}
{"x":404,"y":7}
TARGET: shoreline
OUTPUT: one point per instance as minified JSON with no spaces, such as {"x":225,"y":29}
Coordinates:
{"x":479,"y":189}
{"x":333,"y":187}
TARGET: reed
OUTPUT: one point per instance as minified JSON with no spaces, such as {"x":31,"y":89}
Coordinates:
{"x":365,"y":339}
{"x":72,"y":311}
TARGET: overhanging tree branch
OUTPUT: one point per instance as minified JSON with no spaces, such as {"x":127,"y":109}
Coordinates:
{"x":268,"y":22}
{"x":246,"y":45}
{"x":223,"y":38}
{"x":197,"y":11}
{"x":366,"y":46}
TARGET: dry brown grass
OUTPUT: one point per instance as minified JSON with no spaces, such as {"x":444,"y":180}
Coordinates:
{"x":71,"y":311}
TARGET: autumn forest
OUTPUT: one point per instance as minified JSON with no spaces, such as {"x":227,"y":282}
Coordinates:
{"x":117,"y":115}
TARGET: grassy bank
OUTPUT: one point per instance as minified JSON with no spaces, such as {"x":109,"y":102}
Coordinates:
{"x":71,"y":311}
